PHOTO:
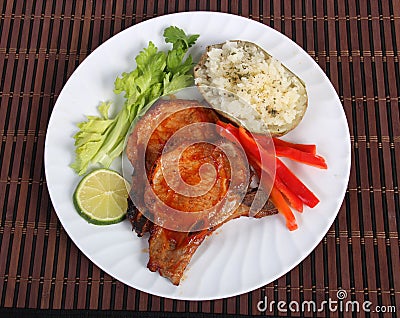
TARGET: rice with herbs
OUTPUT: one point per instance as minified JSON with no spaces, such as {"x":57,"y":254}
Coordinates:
{"x":277,"y":96}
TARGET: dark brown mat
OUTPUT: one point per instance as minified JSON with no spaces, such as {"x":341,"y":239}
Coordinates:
{"x":354,"y":41}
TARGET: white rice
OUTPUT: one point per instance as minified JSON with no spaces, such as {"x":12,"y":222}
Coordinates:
{"x":277,"y":96}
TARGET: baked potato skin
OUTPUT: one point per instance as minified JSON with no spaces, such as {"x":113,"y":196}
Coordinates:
{"x":275,"y":131}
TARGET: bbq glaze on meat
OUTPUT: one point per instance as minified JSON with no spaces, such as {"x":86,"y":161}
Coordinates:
{"x":208,"y":188}
{"x":164,"y":119}
{"x":170,"y":251}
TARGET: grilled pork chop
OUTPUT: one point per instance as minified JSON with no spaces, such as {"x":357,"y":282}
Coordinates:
{"x":148,"y":138}
{"x":171,"y":250}
{"x":160,"y":122}
{"x":192,"y":187}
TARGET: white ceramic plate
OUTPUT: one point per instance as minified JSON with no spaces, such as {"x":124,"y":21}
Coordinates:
{"x":246,"y":253}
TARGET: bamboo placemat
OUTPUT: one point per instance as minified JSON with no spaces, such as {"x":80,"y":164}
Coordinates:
{"x":356,"y":44}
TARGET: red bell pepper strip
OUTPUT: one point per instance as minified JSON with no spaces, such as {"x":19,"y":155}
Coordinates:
{"x":227,"y":134}
{"x":306,"y":148}
{"x":286,"y":184}
{"x":295,"y":184}
{"x":233,"y":130}
{"x":264,"y":158}
{"x":228,"y":126}
{"x":265,"y":178}
{"x":276,"y":197}
{"x":228,"y":131}
{"x":251,"y":149}
{"x":301,"y":156}
{"x":293,"y":199}
{"x":249,"y":144}
{"x":255,"y":163}
{"x":280,"y":203}
{"x":222,"y":123}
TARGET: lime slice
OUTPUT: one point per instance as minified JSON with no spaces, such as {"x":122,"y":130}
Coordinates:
{"x":101,"y":197}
